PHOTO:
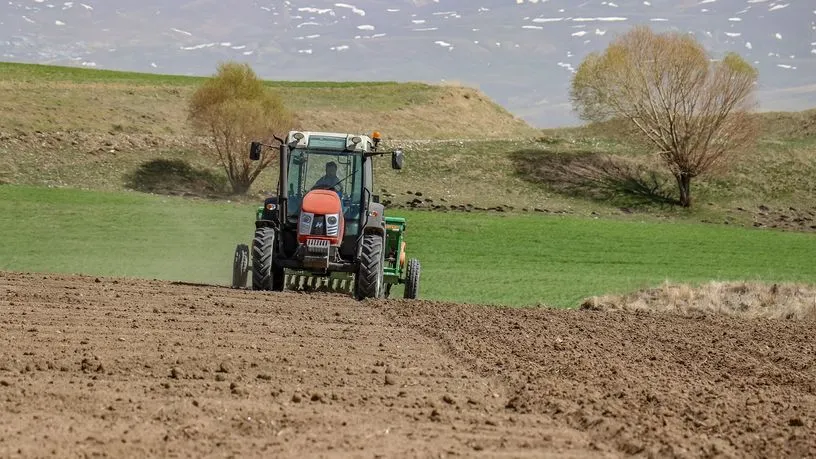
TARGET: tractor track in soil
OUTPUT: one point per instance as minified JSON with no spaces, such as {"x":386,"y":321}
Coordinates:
{"x":121,"y":367}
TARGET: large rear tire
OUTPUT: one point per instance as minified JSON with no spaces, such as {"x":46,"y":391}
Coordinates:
{"x":240,"y":266}
{"x":265,"y":275}
{"x":370,"y":274}
{"x":412,"y":274}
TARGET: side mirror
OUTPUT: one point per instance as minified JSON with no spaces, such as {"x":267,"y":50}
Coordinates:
{"x":396,"y":159}
{"x":255,"y":150}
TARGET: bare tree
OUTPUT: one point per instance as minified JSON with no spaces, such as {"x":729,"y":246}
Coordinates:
{"x":234,"y":108}
{"x":693,"y":109}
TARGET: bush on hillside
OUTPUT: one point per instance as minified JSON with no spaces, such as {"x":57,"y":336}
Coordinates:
{"x":234,"y":108}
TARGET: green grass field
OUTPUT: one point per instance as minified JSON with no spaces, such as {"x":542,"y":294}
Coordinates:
{"x":510,"y":259}
{"x":42,"y":73}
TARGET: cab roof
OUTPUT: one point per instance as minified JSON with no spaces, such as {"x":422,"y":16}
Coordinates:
{"x":329,"y":141}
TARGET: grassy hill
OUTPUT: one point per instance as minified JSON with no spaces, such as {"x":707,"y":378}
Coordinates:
{"x":107,"y":130}
{"x":51,"y":99}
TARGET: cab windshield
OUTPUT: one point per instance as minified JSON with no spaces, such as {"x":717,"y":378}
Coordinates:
{"x":340,"y":171}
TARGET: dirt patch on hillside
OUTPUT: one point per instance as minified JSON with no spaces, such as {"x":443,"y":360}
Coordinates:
{"x":784,"y":218}
{"x":454,"y":113}
{"x":121,"y":368}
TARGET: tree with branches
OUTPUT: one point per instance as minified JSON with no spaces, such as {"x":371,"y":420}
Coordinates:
{"x":693,"y":109}
{"x":234,"y":107}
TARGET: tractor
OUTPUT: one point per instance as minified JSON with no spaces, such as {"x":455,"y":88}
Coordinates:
{"x":326,"y":229}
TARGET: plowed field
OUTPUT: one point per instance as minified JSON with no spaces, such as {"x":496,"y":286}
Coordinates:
{"x":115,"y":367}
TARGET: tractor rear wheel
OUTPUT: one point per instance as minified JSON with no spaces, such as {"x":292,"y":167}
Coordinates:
{"x":412,"y":274}
{"x":240,"y":266}
{"x":265,"y":275}
{"x":370,"y":274}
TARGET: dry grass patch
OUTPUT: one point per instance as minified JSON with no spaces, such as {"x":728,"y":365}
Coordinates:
{"x":93,"y":108}
{"x":739,"y":299}
{"x":397,"y":110}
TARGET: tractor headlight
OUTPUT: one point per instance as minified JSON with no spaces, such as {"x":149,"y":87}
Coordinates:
{"x":332,"y":225}
{"x":305,"y":224}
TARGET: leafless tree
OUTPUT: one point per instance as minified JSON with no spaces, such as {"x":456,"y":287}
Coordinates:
{"x":693,"y":109}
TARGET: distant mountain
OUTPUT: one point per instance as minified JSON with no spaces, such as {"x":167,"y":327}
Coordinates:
{"x":520,"y":52}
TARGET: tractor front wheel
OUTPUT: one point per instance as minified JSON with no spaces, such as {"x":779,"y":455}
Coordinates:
{"x":240,"y":266}
{"x":370,"y":274}
{"x":265,"y":275}
{"x":412,"y":274}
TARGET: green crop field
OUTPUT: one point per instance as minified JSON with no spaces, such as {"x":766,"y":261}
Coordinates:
{"x":472,"y":257}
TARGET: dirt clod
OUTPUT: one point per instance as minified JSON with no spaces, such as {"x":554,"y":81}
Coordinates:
{"x":237,"y":389}
{"x":225,"y":367}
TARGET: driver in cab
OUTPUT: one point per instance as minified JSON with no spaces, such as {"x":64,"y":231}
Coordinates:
{"x":330,"y":180}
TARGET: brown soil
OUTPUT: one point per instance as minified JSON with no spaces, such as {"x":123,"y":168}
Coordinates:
{"x":118,"y":367}
{"x":789,"y":218}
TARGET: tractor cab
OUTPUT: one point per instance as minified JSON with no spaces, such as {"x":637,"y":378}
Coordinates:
{"x":329,"y":183}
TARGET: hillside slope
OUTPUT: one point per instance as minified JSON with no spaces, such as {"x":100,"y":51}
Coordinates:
{"x":106,"y":103}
